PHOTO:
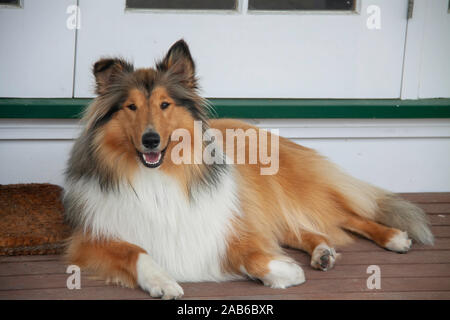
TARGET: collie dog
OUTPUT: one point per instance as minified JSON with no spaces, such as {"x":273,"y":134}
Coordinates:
{"x":141,"y":218}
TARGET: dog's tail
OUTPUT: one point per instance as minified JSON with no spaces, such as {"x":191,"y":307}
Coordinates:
{"x":396,"y":212}
{"x":384,"y":207}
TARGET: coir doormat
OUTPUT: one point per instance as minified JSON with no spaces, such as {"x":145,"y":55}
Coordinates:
{"x":31,"y":219}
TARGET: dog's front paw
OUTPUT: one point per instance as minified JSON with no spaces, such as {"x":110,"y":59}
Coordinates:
{"x":155,"y":281}
{"x":283,"y":274}
{"x":162,"y":287}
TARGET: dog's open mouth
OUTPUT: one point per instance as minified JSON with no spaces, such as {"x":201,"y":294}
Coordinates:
{"x":152,"y":159}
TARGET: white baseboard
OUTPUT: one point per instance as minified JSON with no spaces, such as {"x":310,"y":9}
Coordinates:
{"x":400,"y":155}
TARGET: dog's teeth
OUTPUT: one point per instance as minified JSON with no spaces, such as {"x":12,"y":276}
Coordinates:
{"x":145,"y":156}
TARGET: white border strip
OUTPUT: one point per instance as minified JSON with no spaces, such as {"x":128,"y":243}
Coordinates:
{"x":54,"y":129}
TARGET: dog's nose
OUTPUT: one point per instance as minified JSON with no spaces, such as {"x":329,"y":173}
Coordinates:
{"x":150,"y":140}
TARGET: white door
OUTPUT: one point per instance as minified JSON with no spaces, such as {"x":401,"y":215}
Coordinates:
{"x":37,"y":48}
{"x":244,"y":53}
{"x":427,"y":63}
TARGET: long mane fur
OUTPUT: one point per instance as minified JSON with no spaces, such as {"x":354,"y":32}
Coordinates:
{"x":86,"y":161}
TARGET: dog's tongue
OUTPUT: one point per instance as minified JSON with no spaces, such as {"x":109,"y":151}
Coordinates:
{"x":152,"y":157}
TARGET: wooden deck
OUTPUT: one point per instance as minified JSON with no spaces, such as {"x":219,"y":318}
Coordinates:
{"x":423,"y":273}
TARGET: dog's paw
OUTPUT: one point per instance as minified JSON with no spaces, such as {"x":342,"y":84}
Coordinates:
{"x":155,"y":281}
{"x":283,"y":274}
{"x":161,"y":287}
{"x":323,"y":257}
{"x":399,"y":243}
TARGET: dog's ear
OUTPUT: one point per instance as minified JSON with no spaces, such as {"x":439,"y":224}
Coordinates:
{"x":106,"y":71}
{"x":178,"y":61}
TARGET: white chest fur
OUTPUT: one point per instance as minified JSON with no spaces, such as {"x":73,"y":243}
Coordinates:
{"x":186,"y":238}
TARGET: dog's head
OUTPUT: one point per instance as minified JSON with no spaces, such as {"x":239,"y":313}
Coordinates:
{"x":136,"y":111}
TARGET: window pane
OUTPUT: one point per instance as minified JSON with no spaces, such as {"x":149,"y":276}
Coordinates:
{"x":10,"y":2}
{"x":301,"y":4}
{"x":182,"y":4}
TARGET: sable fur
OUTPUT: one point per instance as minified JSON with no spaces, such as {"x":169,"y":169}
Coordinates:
{"x":244,"y":217}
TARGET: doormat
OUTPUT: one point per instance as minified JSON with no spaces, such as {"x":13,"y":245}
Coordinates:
{"x":31,"y":219}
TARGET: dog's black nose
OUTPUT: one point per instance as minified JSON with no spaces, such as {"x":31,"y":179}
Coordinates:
{"x":150,"y":140}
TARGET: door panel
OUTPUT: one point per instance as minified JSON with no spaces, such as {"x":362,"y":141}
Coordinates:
{"x":37,"y":50}
{"x":435,"y":64}
{"x":247,"y":54}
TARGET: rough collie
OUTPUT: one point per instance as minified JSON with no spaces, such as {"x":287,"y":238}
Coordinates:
{"x":140,"y":218}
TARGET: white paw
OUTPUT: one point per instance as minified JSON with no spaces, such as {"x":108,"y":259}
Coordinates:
{"x":283,"y":274}
{"x":399,"y":243}
{"x":155,"y":281}
{"x":164,"y":288}
{"x":323,"y":257}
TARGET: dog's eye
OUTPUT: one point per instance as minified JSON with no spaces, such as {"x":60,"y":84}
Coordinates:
{"x":132,"y":107}
{"x":164,"y":105}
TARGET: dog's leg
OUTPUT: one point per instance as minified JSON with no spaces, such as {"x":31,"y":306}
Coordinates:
{"x":274,"y":271}
{"x":122,"y":263}
{"x":323,"y":255}
{"x":153,"y":279}
{"x":262,"y":259}
{"x":388,"y":238}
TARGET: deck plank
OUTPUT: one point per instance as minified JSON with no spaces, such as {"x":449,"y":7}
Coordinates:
{"x":435,"y":208}
{"x":422,"y":273}
{"x":439,"y":219}
{"x":241,"y":288}
{"x":58,"y":279}
{"x":31,"y":258}
{"x":404,"y":295}
{"x":105,"y":293}
{"x":427,"y":197}
{"x":440,"y":231}
{"x":59,"y":267}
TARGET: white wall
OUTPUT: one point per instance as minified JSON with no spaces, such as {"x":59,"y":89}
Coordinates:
{"x":399,"y":155}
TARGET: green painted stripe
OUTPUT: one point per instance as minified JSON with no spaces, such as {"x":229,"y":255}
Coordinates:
{"x":251,"y":108}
